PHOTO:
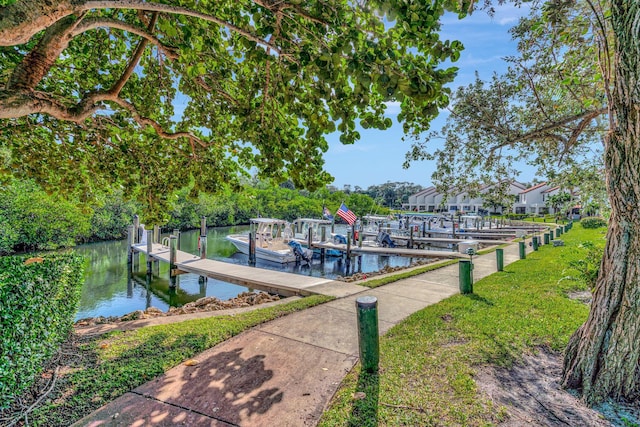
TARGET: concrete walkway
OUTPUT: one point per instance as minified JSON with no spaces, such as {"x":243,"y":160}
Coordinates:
{"x":284,"y":372}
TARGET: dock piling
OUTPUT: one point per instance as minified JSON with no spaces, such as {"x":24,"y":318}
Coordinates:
{"x":136,"y":229}
{"x":173,"y":250}
{"x":149,"y":250}
{"x":176,"y":233}
{"x":252,"y":247}
{"x":130,"y":240}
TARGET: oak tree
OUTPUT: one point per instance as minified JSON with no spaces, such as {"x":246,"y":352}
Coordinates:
{"x":572,"y":95}
{"x":154,"y":95}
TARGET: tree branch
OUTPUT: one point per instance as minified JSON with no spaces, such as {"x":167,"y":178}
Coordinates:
{"x":133,"y":62}
{"x":37,"y":63}
{"x":146,"y":121}
{"x":22,"y":20}
{"x":93,"y":23}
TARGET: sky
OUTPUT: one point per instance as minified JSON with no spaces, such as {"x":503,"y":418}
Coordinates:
{"x":378,"y":156}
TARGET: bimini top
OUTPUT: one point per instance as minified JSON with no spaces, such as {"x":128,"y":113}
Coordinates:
{"x":313,"y":221}
{"x":267,"y":221}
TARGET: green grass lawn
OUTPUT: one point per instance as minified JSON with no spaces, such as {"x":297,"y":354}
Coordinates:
{"x":427,"y":362}
{"x":101,"y":369}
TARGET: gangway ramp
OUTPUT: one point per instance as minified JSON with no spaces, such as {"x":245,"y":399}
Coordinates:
{"x":277,"y":282}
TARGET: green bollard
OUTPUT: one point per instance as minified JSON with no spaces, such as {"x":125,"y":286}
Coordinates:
{"x":367,"y":308}
{"x":546,"y":238}
{"x":500,"y":259}
{"x":464,"y":269}
{"x":523,"y":253}
{"x":535,"y":243}
{"x":558,"y":232}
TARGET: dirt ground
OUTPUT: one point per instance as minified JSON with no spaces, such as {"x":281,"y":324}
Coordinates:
{"x":532,"y":396}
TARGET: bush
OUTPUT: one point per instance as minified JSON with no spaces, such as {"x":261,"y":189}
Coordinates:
{"x":30,"y":219}
{"x":587,"y":265}
{"x":515,"y":216}
{"x":38,"y":302}
{"x":593,"y":222}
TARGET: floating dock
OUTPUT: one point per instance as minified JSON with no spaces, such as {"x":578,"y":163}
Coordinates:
{"x":397,"y":251}
{"x":277,"y":282}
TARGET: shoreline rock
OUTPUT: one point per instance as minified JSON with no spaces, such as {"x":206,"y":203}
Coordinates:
{"x":245,"y":299}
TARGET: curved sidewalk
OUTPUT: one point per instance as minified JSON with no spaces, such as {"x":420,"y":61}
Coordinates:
{"x":284,"y":372}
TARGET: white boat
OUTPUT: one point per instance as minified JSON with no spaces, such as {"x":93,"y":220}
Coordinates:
{"x":303,"y":226}
{"x":273,"y":238}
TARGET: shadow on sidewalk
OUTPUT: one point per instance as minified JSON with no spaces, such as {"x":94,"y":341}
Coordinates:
{"x":226,"y":387}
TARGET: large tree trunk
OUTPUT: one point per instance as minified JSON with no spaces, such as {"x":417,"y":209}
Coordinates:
{"x":603,"y":355}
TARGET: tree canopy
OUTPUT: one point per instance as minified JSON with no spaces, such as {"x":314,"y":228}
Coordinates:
{"x":152,"y":96}
{"x":549,"y":109}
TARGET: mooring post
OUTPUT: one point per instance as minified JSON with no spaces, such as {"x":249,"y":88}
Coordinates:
{"x":546,"y":238}
{"x":156,"y":234}
{"x":252,"y":247}
{"x":136,"y":227}
{"x":130,"y":239}
{"x":534,"y":241}
{"x":522,"y":246}
{"x":500,"y":259}
{"x":323,"y":238}
{"x":464,"y":274}
{"x":173,"y":254}
{"x":348,"y":246}
{"x":410,"y":242}
{"x":149,"y":250}
{"x":368,"y":335}
{"x":310,"y":238}
{"x":202,"y":244}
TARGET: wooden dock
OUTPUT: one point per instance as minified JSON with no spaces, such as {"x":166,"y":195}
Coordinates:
{"x":277,"y":282}
{"x":397,"y":251}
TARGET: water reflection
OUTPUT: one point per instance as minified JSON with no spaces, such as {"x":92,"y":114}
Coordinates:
{"x":110,"y":289}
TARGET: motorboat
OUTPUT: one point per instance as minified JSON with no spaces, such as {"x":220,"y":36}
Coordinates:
{"x":274,"y":241}
{"x":303,"y":226}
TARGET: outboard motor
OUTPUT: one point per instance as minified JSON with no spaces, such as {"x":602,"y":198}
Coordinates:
{"x":339,"y":239}
{"x":385,"y":240}
{"x":299,"y":251}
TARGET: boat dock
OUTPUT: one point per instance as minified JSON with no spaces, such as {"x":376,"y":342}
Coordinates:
{"x":277,"y":282}
{"x":398,"y":251}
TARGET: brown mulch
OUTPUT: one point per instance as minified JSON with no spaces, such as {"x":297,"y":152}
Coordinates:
{"x":531,"y":394}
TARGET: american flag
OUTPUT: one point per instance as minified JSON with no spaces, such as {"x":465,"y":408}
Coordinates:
{"x":346,"y":214}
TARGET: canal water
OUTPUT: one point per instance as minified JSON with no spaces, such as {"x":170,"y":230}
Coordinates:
{"x":111,"y":289}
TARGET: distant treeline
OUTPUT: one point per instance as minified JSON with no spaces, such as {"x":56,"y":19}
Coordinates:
{"x":31,"y":219}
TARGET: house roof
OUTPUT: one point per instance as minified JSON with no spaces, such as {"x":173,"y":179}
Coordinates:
{"x":535,"y":187}
{"x":424,"y":191}
{"x":549,"y":190}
